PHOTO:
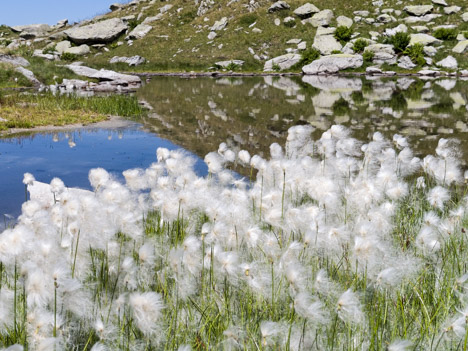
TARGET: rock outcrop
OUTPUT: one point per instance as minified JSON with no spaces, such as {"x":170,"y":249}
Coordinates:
{"x":333,"y":64}
{"x":100,"y":32}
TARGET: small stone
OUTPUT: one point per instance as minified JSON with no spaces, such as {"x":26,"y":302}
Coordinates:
{"x":277,"y":22}
{"x":139,"y":32}
{"x":220,"y":25}
{"x":385,"y":18}
{"x":430,"y":50}
{"x":418,"y":10}
{"x":344,"y":21}
{"x":439,"y":2}
{"x":256,"y":30}
{"x":452,"y":9}
{"x":420,"y":29}
{"x":361,"y":13}
{"x":465,"y":17}
{"x":461,"y":47}
{"x":322,"y":18}
{"x":212,"y":35}
{"x":399,"y":29}
{"x":78,"y":50}
{"x":306,"y":10}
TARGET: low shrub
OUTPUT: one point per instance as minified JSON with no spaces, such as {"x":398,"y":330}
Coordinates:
{"x":368,"y":56}
{"x":66,"y":56}
{"x":343,"y":34}
{"x":400,"y":41}
{"x":360,"y":45}
{"x":446,"y":34}
{"x":416,"y":54}
{"x":308,"y":56}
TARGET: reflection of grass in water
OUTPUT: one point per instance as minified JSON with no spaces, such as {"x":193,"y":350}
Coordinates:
{"x":443,"y":106}
{"x":27,"y":111}
{"x":341,"y":107}
{"x":398,"y":101}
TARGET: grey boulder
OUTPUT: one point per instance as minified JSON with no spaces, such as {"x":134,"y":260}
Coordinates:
{"x":306,"y":10}
{"x":14,"y":60}
{"x":139,"y":32}
{"x":333,"y":64}
{"x":131,"y":61}
{"x":278,"y":6}
{"x":100,"y":32}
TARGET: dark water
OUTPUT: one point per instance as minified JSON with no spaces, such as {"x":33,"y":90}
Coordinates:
{"x":70,"y":155}
{"x":246,"y":113}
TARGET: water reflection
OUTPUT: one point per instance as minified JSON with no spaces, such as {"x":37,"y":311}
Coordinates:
{"x":70,"y":155}
{"x":251,"y":113}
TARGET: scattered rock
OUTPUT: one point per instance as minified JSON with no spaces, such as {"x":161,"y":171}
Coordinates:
{"x":101,"y":32}
{"x":226,"y":64}
{"x":62,"y":46}
{"x":398,"y":29}
{"x":461,"y":47}
{"x":282,"y":62}
{"x":430,"y":50}
{"x":373,"y":70}
{"x":278,"y":6}
{"x":212,"y":35}
{"x":61,"y":23}
{"x":14,"y":60}
{"x":439,"y":2}
{"x":449,"y":62}
{"x":322,"y":18}
{"x":361,"y":13}
{"x":277,"y":22}
{"x":39,"y":53}
{"x":385,"y":18}
{"x":131,"y":61}
{"x":105,"y":75}
{"x":165,"y":8}
{"x":406,"y":63}
{"x":139,"y":32}
{"x":383,"y":53}
{"x":29,"y":75}
{"x":333,"y":64}
{"x":418,"y":10}
{"x":421,"y":29}
{"x":465,"y":17}
{"x":344,"y":21}
{"x":116,"y":7}
{"x":424,"y":39}
{"x":306,"y":11}
{"x":152,"y":19}
{"x":220,"y":25}
{"x":326,"y":44}
{"x":452,"y":9}
{"x":31,"y":31}
{"x":78,"y":50}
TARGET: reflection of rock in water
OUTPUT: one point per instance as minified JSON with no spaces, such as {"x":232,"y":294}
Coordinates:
{"x":251,"y":113}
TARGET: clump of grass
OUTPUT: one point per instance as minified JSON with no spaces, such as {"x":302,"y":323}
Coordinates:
{"x":416,"y":54}
{"x":368,"y":56}
{"x":400,"y":41}
{"x":248,"y":19}
{"x":9,"y":78}
{"x":446,"y":34}
{"x":360,"y":45}
{"x":308,"y":56}
{"x":343,"y":34}
{"x":67,"y":56}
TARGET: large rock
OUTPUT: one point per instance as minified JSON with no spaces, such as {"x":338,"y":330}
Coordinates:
{"x":344,"y":21}
{"x":333,"y":64}
{"x":424,"y":39}
{"x":139,"y":32}
{"x":31,"y":31}
{"x":278,"y":6}
{"x":322,"y":18}
{"x":405,"y":63}
{"x":220,"y":25}
{"x":104,"y":75}
{"x":14,"y":60}
{"x":465,"y":17}
{"x":449,"y":62}
{"x":306,"y":10}
{"x":419,"y":10}
{"x":225,"y":64}
{"x":461,"y":47}
{"x":383,"y":53}
{"x":283,"y":62}
{"x":62,"y":46}
{"x":131,"y":61}
{"x":326,"y":44}
{"x":116,"y":7}
{"x":78,"y":50}
{"x":439,"y":2}
{"x":101,"y":32}
{"x":452,"y":9}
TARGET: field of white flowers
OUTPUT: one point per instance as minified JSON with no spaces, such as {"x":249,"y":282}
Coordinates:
{"x":335,"y":244}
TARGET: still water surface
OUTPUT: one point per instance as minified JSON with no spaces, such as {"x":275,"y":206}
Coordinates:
{"x":247,"y":113}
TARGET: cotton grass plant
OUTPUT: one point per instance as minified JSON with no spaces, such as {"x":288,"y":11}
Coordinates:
{"x":335,"y":245}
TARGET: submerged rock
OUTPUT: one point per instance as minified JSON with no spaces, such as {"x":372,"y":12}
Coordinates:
{"x":100,"y":32}
{"x":333,"y":64}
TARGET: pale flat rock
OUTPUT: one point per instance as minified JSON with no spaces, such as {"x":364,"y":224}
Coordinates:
{"x":425,"y":18}
{"x":131,"y":61}
{"x":306,"y":10}
{"x":440,"y":2}
{"x":326,"y":44}
{"x":344,"y":21}
{"x":430,"y":51}
{"x":424,"y":39}
{"x":30,"y":31}
{"x":139,"y":32}
{"x":212,"y":35}
{"x":452,"y":9}
{"x":107,"y":75}
{"x":385,"y":18}
{"x":402,"y":28}
{"x":165,"y":8}
{"x":29,"y":75}
{"x":406,"y":63}
{"x":333,"y":64}
{"x":449,"y":62}
{"x":152,"y":19}
{"x":294,"y":41}
{"x":420,"y":29}
{"x":82,"y":70}
{"x":461,"y":47}
{"x":78,"y":50}
{"x":283,"y":62}
{"x":62,"y":46}
{"x":225,"y":64}
{"x":278,"y":6}
{"x":322,"y":18}
{"x":418,"y":10}
{"x":465,"y":17}
{"x":100,"y":32}
{"x":325,"y":31}
{"x":14,"y":60}
{"x":363,"y":13}
{"x":219,"y":25}
{"x":39,"y":53}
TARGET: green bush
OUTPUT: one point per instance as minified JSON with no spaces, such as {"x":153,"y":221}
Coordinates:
{"x":465,"y":34}
{"x":446,"y":34}
{"x":66,"y":56}
{"x":49,"y":50}
{"x":233,"y":67}
{"x":360,"y":45}
{"x":276,"y":67}
{"x":308,"y":56}
{"x":368,"y":56}
{"x":343,"y":34}
{"x":416,"y":54}
{"x":400,"y":41}
{"x":132,"y":24}
{"x":248,"y":19}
